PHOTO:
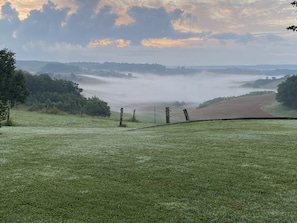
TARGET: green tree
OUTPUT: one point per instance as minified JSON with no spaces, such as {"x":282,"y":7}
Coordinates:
{"x":293,"y":27}
{"x":54,"y":94}
{"x":12,"y":82}
{"x":96,"y":107}
{"x":287,"y":92}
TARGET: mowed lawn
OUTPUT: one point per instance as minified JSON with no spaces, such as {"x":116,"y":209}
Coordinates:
{"x":58,"y":168}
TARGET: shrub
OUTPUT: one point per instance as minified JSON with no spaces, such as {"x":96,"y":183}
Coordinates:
{"x":96,"y":107}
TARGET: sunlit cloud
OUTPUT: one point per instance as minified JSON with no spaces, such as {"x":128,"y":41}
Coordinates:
{"x":123,"y":20}
{"x":123,"y":43}
{"x":165,"y":42}
{"x":104,"y":42}
{"x":120,"y":43}
{"x":24,"y":7}
{"x":152,"y":27}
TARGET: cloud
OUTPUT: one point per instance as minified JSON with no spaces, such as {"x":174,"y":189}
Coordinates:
{"x":120,"y":43}
{"x":150,"y":23}
{"x":240,"y":38}
{"x":165,"y":42}
{"x":123,"y":43}
{"x":43,"y":25}
{"x":9,"y":22}
{"x":89,"y":23}
{"x":108,"y":29}
{"x":245,"y":38}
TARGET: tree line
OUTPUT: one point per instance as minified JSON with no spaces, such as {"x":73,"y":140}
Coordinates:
{"x":41,"y":92}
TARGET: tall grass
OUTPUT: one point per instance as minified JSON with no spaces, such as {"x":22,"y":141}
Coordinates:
{"x":59,"y":169}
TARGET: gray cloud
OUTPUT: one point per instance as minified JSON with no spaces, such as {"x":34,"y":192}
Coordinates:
{"x":272,"y":38}
{"x":148,"y":23}
{"x":245,"y":38}
{"x":152,"y":23}
{"x":241,"y":38}
{"x":62,"y":33}
{"x":43,"y":25}
{"x":9,"y":22}
{"x":52,"y":24}
{"x":86,"y":25}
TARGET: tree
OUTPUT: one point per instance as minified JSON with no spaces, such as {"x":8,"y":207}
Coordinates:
{"x":54,"y":94}
{"x":96,"y":107}
{"x":12,"y":82}
{"x":293,"y":27}
{"x":287,"y":92}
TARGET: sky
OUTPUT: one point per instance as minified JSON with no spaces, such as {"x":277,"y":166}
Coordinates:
{"x":168,"y":32}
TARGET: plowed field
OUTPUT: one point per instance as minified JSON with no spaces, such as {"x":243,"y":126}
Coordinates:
{"x":241,"y":107}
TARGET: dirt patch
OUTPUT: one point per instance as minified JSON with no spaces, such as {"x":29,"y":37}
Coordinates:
{"x":241,"y":107}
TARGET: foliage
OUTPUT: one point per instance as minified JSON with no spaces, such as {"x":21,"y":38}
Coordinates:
{"x":266,"y":83}
{"x":287,"y":92}
{"x":12,"y":83}
{"x":293,"y":27}
{"x":97,"y":107}
{"x":179,"y":104}
{"x":54,"y":95}
{"x":49,"y":94}
{"x":213,"y":101}
{"x":231,"y":171}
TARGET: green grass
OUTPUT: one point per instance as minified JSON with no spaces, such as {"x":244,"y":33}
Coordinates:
{"x":278,"y":109}
{"x":57,"y":168}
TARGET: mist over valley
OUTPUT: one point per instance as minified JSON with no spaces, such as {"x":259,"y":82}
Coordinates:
{"x":151,"y":88}
{"x":130,"y":85}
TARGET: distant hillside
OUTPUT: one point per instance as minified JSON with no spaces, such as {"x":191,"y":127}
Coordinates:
{"x":268,"y":83}
{"x":31,"y":66}
{"x":60,"y":68}
{"x":112,"y":69}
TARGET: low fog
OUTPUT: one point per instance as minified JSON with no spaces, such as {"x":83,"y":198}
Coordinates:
{"x":149,"y":88}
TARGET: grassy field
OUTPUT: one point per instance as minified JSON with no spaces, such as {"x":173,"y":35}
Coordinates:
{"x":58,"y":168}
{"x":278,"y":109}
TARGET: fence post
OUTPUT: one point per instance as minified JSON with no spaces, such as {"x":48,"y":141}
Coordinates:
{"x":134,"y":116}
{"x":167,"y":115}
{"x":121,"y":116}
{"x":186,"y":115}
{"x":155,"y":120}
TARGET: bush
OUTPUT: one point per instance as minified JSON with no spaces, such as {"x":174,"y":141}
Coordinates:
{"x":96,"y":107}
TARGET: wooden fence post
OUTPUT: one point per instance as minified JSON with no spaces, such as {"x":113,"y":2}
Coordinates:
{"x":186,"y":115}
{"x":134,"y":116}
{"x":167,"y":115}
{"x":121,"y":116}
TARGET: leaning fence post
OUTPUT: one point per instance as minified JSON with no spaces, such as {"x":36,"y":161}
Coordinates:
{"x":186,"y":115}
{"x":167,"y":115}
